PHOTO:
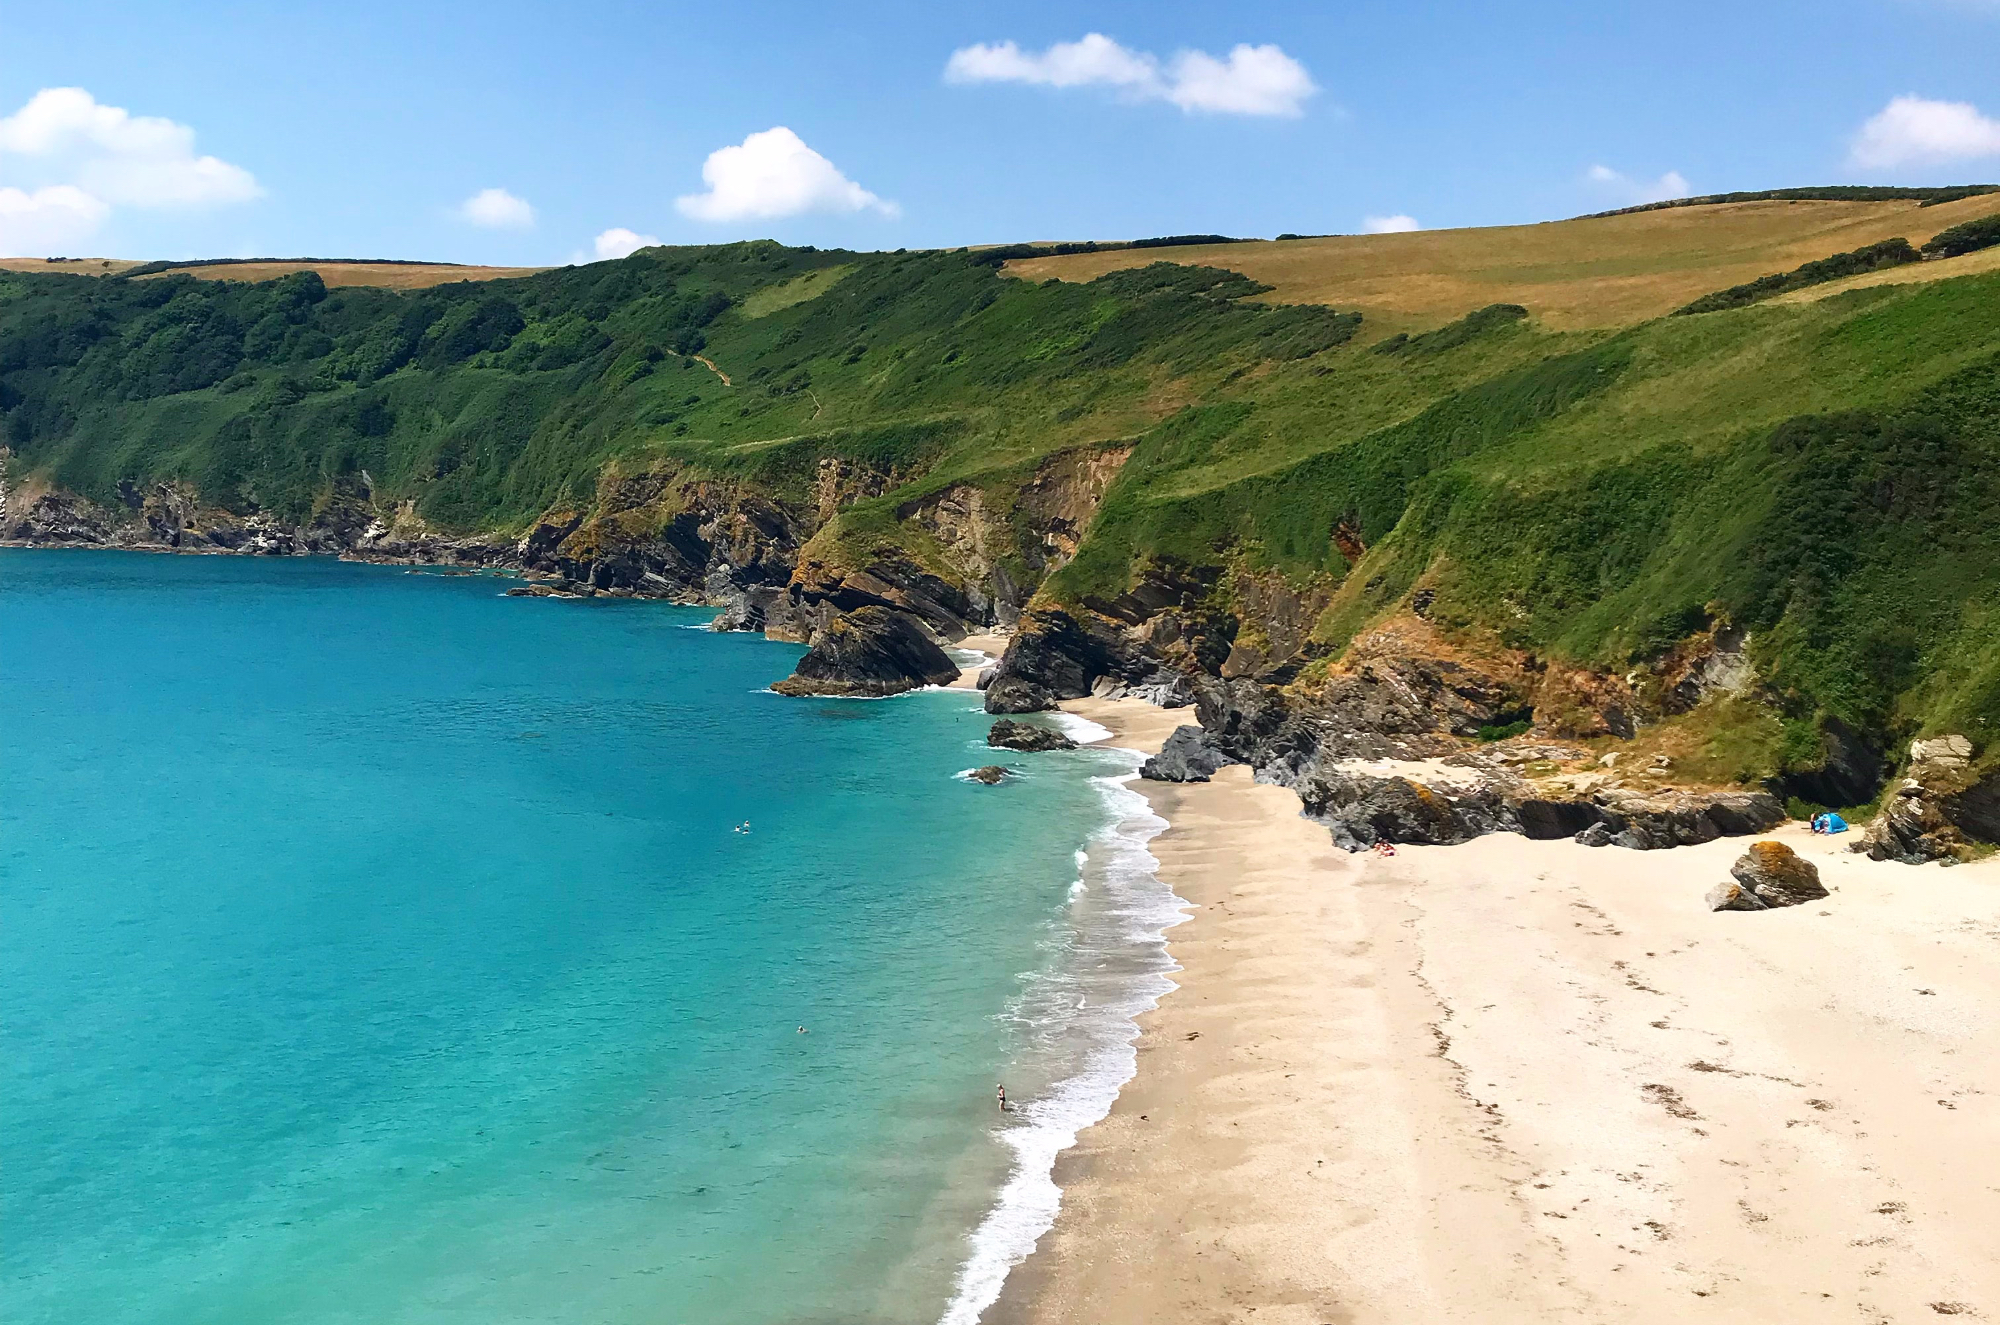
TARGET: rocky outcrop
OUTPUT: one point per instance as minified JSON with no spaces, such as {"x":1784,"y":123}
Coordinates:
{"x":1189,"y":755}
{"x":1004,"y":542}
{"x":1440,"y":802}
{"x":819,"y":591}
{"x":1767,"y":876}
{"x":1938,"y":810}
{"x":991,"y":774}
{"x":172,"y":517}
{"x":1058,"y":655}
{"x":1652,"y":820}
{"x":1362,"y":810}
{"x":1006,"y":734}
{"x":870,"y":651}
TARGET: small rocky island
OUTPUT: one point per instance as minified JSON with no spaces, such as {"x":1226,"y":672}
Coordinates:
{"x":1010,"y":735}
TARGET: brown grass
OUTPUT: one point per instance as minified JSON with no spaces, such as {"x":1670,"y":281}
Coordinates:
{"x":1596,"y":272}
{"x":389,"y":275}
{"x":69,"y":266}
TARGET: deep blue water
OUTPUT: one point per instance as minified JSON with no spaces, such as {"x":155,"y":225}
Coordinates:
{"x":377,"y":948}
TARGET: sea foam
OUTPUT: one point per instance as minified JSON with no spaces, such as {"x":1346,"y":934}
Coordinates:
{"x":1081,"y":1013}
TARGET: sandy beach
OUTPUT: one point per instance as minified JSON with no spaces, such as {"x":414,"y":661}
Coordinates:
{"x":1530,"y":1081}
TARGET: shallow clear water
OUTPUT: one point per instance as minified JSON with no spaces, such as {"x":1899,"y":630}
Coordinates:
{"x":377,"y":948}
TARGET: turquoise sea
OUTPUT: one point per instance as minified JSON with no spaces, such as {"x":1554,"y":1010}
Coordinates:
{"x":377,"y":948}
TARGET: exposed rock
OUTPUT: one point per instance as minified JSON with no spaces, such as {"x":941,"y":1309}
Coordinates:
{"x":990,"y":774}
{"x":1189,"y":755}
{"x":1167,"y":690}
{"x":1771,"y":874}
{"x":1574,"y":702}
{"x":1010,"y":735}
{"x":985,"y":679}
{"x":544,"y":589}
{"x":1938,"y":810}
{"x":1910,"y":828}
{"x":1276,"y":638}
{"x":1654,"y":820}
{"x":1037,"y":526}
{"x":1364,"y":810}
{"x":1710,"y":663}
{"x":870,"y":651}
{"x":1732,"y":896}
{"x":1056,"y":655}
{"x":1941,"y":752}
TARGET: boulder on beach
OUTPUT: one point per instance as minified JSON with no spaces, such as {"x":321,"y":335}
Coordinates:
{"x":1010,"y":735}
{"x":1189,"y":755}
{"x":991,"y":774}
{"x":1768,"y":875}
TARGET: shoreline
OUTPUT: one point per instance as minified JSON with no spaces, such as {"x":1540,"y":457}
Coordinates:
{"x":1515,"y":1081}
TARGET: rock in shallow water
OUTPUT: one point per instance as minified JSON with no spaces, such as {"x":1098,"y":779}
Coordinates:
{"x":870,"y":651}
{"x":991,"y":774}
{"x":1010,"y":735}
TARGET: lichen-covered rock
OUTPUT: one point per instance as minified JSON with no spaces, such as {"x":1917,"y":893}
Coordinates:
{"x":1007,"y":734}
{"x":870,"y":651}
{"x":1775,"y":875}
{"x":1189,"y":755}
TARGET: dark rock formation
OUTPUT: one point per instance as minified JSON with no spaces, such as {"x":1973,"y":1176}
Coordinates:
{"x":1938,"y":810}
{"x":1364,"y":810}
{"x":1055,"y":655}
{"x":1010,"y":735}
{"x":1849,"y":773}
{"x":1768,"y":875}
{"x":1189,"y":755}
{"x":991,"y":774}
{"x":870,"y":651}
{"x":1654,"y":820}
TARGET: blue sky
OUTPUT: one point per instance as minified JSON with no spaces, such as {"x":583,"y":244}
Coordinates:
{"x":364,"y":129}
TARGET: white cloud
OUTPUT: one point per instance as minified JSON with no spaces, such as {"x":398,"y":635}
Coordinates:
{"x":1095,"y":61}
{"x":1389,"y":225}
{"x":1252,"y":80}
{"x":1637,"y":191}
{"x":50,"y":221}
{"x":120,"y":158}
{"x":773,"y":174}
{"x":618,"y":242}
{"x":497,"y":209}
{"x":67,"y":162}
{"x":1912,"y":131}
{"x":1255,"y":80}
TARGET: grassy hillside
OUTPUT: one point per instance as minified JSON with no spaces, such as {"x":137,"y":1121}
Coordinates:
{"x":1594,"y":272}
{"x":1569,"y":476}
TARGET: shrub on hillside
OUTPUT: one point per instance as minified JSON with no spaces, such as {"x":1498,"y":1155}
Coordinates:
{"x":1969,"y":237}
{"x":1874,"y":257}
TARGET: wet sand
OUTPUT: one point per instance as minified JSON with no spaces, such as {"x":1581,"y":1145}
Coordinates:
{"x":1528,"y":1081}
